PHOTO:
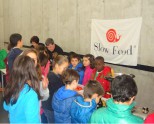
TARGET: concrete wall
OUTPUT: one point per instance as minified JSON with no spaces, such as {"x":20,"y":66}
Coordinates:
{"x":1,"y":25}
{"x":69,"y":23}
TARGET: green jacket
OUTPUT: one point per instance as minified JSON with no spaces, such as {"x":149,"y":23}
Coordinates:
{"x":3,"y":55}
{"x":115,"y":113}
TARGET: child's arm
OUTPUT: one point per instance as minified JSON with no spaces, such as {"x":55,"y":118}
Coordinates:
{"x":47,"y":68}
{"x":44,"y":91}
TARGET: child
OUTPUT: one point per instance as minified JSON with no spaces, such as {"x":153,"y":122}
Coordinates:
{"x":44,"y":91}
{"x":83,"y":107}
{"x":15,"y":44}
{"x":60,"y":64}
{"x":35,"y":42}
{"x":64,"y":97}
{"x":119,"y":107}
{"x":77,"y":66}
{"x":32,"y":53}
{"x":44,"y":60}
{"x":88,"y":62}
{"x":13,"y":51}
{"x":22,"y":94}
{"x":100,"y":72}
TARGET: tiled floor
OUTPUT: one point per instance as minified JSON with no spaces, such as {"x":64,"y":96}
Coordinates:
{"x":3,"y":113}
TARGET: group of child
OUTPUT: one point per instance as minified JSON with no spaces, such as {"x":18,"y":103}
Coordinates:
{"x":31,"y":87}
{"x":94,"y":69}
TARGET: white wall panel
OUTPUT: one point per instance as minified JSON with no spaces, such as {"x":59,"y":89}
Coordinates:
{"x":113,"y":9}
{"x":15,"y":15}
{"x":67,"y":25}
{"x":26,"y":28}
{"x":84,"y":11}
{"x":147,"y":34}
{"x":6,"y":20}
{"x":1,"y":25}
{"x":36,"y":18}
{"x":50,"y":19}
{"x":131,"y":8}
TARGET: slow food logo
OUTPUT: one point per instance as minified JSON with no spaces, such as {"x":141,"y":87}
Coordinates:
{"x":112,"y":36}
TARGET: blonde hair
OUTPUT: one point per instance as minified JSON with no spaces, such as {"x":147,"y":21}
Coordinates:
{"x":60,"y":59}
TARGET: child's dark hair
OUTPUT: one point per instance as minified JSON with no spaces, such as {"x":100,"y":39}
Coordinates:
{"x":70,"y":55}
{"x":43,"y":59}
{"x":99,"y":58}
{"x":34,"y":39}
{"x":91,"y":88}
{"x":43,"y":55}
{"x":14,"y":38}
{"x":123,"y":88}
{"x":42,"y":49}
{"x":22,"y":72}
{"x":75,"y":55}
{"x":70,"y":75}
{"x":91,"y":58}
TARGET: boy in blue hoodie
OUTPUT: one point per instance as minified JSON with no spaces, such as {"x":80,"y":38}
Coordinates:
{"x":63,"y":98}
{"x":77,"y":66}
{"x":83,"y":107}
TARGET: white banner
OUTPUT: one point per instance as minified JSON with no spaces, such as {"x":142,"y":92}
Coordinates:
{"x":116,"y":40}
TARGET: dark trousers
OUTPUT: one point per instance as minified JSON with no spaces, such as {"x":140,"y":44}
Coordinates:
{"x":49,"y":115}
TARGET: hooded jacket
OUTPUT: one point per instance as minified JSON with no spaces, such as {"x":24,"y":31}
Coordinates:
{"x":81,"y":111}
{"x":80,"y":70}
{"x":61,"y":104}
{"x":26,"y":109}
{"x":115,"y":113}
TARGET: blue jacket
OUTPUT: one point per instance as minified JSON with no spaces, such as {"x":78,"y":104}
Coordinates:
{"x":61,"y":104}
{"x":14,"y":52}
{"x":81,"y":111}
{"x":26,"y":109}
{"x":80,"y":70}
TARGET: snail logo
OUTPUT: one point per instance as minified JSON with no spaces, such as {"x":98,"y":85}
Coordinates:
{"x":111,"y":36}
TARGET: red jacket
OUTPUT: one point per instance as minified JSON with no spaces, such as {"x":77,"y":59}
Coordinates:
{"x":100,"y":78}
{"x":149,"y":119}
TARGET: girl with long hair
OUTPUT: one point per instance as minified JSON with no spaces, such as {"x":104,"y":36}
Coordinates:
{"x":22,"y":94}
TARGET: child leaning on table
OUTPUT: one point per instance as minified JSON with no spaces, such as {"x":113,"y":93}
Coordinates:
{"x":63,"y":98}
{"x":83,"y":107}
{"x":77,"y":66}
{"x":100,"y":72}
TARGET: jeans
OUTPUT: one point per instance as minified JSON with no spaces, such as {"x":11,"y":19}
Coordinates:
{"x":43,"y":118}
{"x":49,"y":115}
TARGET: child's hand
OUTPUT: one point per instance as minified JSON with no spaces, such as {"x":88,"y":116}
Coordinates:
{"x":45,"y":82}
{"x":54,"y":55}
{"x":80,"y":93}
